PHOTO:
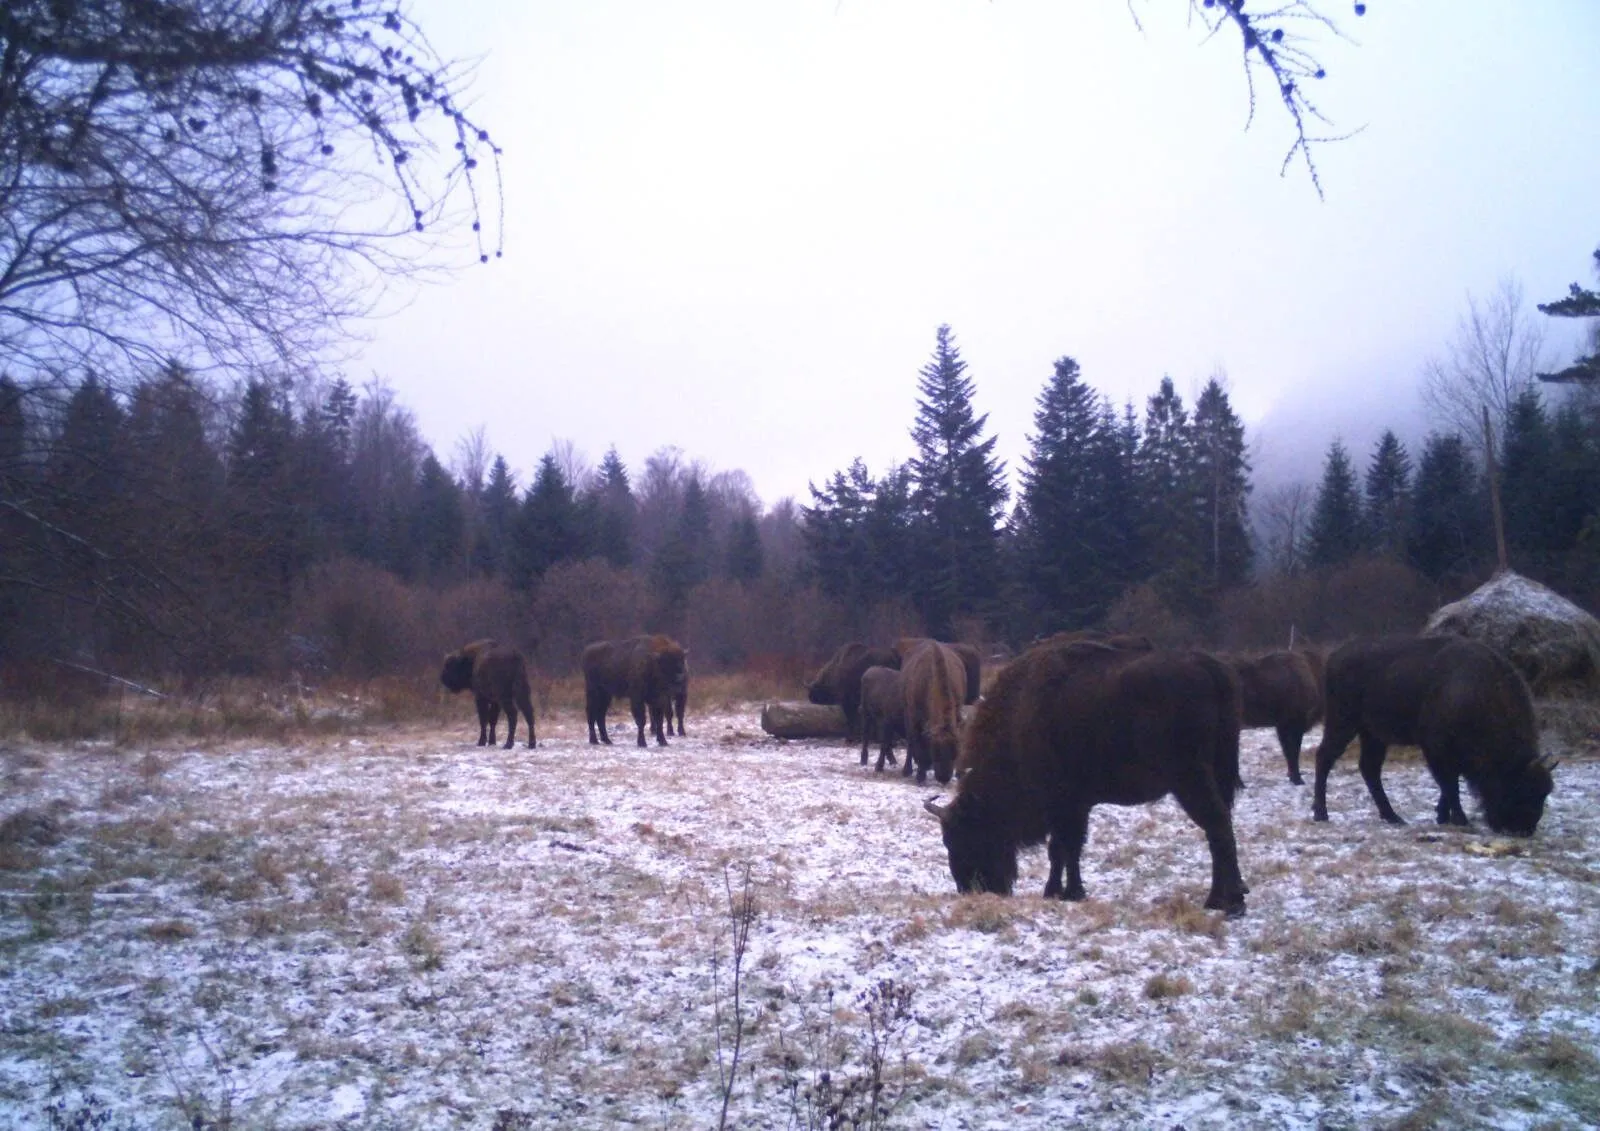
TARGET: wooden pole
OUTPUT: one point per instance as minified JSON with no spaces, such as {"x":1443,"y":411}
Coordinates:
{"x":1494,"y":493}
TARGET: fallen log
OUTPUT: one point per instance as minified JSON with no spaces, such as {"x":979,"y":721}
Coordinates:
{"x":802,"y":720}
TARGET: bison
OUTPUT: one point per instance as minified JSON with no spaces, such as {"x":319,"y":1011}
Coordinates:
{"x":1461,"y":702}
{"x":498,"y":677}
{"x":646,"y":670}
{"x":1282,"y":690}
{"x":839,"y":681}
{"x":1069,"y":727}
{"x":883,"y":712}
{"x":934,"y":685}
{"x":971,"y":663}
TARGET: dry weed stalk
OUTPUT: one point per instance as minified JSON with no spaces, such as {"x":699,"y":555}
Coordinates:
{"x":741,"y":917}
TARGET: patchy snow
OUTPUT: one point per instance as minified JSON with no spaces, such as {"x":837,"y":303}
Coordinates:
{"x":408,"y":931}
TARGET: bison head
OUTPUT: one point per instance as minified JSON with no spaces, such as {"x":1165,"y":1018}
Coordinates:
{"x":822,"y":694}
{"x":457,"y":673}
{"x":1513,"y":801}
{"x":981,"y":858}
{"x":943,"y":748}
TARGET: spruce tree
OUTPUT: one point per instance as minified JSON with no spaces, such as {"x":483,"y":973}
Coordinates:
{"x":1171,"y":529}
{"x":1528,"y":485}
{"x":1071,"y":530}
{"x":1334,"y":536}
{"x":547,"y":527}
{"x":959,"y":490}
{"x":1388,"y":497}
{"x":683,"y":559}
{"x":263,"y":527}
{"x":1447,"y":534}
{"x":1222,"y":480}
{"x":491,"y":554}
{"x":834,"y":529}
{"x":744,"y":556}
{"x":437,"y":522}
{"x":888,"y":538}
{"x":613,"y":512}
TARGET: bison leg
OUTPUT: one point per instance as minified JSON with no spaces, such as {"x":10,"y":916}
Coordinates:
{"x":483,"y":706}
{"x":1449,"y":808}
{"x":525,"y":702}
{"x":854,"y":724}
{"x":678,"y":704}
{"x":1290,"y":736}
{"x":866,"y":739}
{"x":1066,"y":849}
{"x":596,"y":704}
{"x":1202,"y":801}
{"x":886,"y":744}
{"x":657,"y":714}
{"x":1334,"y":740}
{"x":1373,"y":752}
{"x":511,"y":725}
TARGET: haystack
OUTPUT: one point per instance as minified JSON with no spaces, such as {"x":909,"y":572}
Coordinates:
{"x":1552,"y":642}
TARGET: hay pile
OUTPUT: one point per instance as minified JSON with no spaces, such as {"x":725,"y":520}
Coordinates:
{"x":1552,"y":642}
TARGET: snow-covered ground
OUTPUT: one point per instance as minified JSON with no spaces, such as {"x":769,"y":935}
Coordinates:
{"x":405,"y":930}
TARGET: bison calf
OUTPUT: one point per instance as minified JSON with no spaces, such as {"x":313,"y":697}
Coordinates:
{"x":883,"y":712}
{"x":1282,"y":690}
{"x":1461,"y":702}
{"x":839,"y":681}
{"x":497,"y":675}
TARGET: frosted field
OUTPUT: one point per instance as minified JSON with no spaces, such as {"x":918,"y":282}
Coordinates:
{"x":407,"y":931}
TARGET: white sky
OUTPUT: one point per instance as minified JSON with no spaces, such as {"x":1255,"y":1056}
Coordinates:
{"x":733,"y":225}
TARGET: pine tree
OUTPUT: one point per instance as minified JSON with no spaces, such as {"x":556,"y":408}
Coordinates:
{"x":263,"y":533}
{"x":1388,"y":497}
{"x":960,"y":493}
{"x":888,"y":538}
{"x":834,"y":530}
{"x":1334,"y":536}
{"x":1447,"y":534}
{"x":1222,"y":477}
{"x":338,"y":413}
{"x":683,"y":559}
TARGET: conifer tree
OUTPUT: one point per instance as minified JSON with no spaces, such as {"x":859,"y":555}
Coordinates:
{"x":1334,"y":536}
{"x":1388,"y":497}
{"x":959,"y":490}
{"x":1447,"y":533}
{"x":547,"y":526}
{"x":613,"y":517}
{"x":834,"y":531}
{"x":1170,"y":512}
{"x":744,"y":556}
{"x":437,"y":522}
{"x":1222,"y":479}
{"x":491,"y":555}
{"x":1527,"y":485}
{"x":683,"y":559}
{"x":888,"y":537}
{"x":262,"y":528}
{"x":1071,"y":530}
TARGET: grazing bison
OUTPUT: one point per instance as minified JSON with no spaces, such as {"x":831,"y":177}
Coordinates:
{"x":971,"y":663}
{"x":883,"y":712}
{"x":1461,"y":702}
{"x":646,"y":670}
{"x":1069,"y":727}
{"x":934,"y":684}
{"x":1282,"y":690}
{"x":498,"y":677}
{"x":839,"y":681}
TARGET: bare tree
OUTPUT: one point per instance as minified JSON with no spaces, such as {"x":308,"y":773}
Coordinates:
{"x":574,"y":464}
{"x":1497,"y":351}
{"x":218,"y":180}
{"x":472,"y":459}
{"x":1282,"y":516}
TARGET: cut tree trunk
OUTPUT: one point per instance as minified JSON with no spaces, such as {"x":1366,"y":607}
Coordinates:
{"x":802,"y":720}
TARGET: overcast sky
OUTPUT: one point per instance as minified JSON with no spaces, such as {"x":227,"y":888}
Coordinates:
{"x":734,"y":225}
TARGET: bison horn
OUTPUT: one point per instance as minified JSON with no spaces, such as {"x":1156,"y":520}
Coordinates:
{"x":940,"y":811}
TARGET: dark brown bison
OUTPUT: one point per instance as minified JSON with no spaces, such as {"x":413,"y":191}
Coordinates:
{"x":1282,"y":690}
{"x":498,"y":678}
{"x":971,"y":663}
{"x":675,"y":703}
{"x":646,"y":670}
{"x":934,"y":685}
{"x":1069,"y":727}
{"x":839,"y":681}
{"x":883,"y":712}
{"x":1461,"y":702}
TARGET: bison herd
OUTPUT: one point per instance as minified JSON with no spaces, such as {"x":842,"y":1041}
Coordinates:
{"x":1082,"y":719}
